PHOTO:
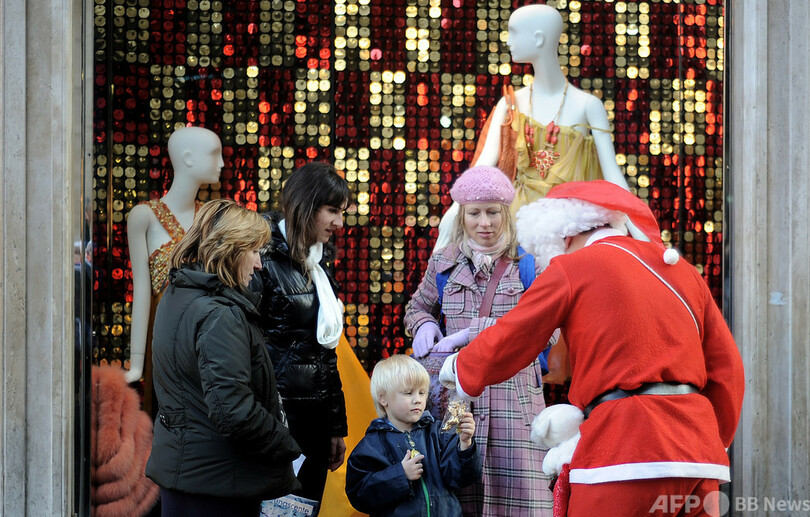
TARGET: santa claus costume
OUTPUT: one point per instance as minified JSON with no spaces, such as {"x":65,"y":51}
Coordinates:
{"x":654,"y":365}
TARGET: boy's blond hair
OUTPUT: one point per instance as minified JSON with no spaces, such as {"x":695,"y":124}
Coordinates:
{"x":394,"y":373}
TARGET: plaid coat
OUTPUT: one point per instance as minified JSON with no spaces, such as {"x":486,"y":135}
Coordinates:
{"x":513,"y":483}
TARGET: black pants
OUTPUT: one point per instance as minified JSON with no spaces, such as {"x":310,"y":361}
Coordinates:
{"x":312,"y":474}
{"x":182,"y":504}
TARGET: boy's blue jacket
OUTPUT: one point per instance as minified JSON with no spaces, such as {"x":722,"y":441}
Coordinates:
{"x":376,"y":482}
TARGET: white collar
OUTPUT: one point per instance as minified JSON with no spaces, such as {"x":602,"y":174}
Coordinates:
{"x":604,"y":233}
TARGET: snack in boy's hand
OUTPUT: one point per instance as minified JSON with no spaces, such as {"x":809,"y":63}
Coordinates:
{"x":452,"y":417}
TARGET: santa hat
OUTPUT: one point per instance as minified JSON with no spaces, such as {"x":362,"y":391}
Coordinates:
{"x":578,"y":206}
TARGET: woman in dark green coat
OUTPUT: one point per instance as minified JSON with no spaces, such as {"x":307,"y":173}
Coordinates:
{"x":221,"y":442}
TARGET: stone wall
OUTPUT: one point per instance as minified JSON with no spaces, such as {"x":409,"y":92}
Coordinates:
{"x":767,"y":207}
{"x":40,"y":164}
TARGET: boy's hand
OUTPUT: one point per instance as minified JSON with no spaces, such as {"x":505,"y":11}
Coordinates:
{"x":466,"y":429}
{"x":412,"y":463}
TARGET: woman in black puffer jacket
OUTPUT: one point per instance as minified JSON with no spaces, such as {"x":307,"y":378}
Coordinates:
{"x":221,"y":442}
{"x":302,"y":318}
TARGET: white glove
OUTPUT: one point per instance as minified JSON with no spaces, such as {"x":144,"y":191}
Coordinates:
{"x":453,"y":342}
{"x":426,"y":336}
{"x":449,"y":378}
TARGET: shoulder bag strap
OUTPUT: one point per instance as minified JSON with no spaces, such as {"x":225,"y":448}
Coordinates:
{"x":489,"y":294}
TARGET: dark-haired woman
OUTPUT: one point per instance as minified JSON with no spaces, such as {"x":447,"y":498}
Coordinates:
{"x":302,"y":317}
{"x":221,"y":444}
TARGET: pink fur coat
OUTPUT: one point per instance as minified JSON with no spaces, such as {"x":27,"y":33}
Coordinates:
{"x":120,"y":443}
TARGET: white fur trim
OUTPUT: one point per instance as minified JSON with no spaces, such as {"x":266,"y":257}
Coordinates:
{"x":463,"y":394}
{"x":543,"y":225}
{"x":604,"y":233}
{"x":448,"y":376}
{"x":650,"y":470}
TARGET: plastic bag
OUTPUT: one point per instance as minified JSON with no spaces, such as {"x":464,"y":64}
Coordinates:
{"x":454,"y":412}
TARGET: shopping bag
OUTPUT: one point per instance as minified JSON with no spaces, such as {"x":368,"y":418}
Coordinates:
{"x":289,"y":506}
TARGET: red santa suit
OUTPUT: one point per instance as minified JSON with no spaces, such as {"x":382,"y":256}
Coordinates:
{"x":625,"y":328}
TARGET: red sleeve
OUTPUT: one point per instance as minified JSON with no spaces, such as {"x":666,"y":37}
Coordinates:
{"x":514,"y":342}
{"x":726,"y":381}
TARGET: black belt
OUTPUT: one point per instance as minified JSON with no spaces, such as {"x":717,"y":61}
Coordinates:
{"x":653,"y":388}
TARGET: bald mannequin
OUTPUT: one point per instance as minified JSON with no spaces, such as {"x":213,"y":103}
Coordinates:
{"x":534,"y":35}
{"x":196,"y":156}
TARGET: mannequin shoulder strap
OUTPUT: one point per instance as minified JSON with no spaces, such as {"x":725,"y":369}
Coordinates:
{"x":511,"y":104}
{"x":167,"y":219}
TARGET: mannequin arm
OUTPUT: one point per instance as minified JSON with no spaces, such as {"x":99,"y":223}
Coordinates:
{"x":597,"y":118}
{"x":137,"y":225}
{"x":492,"y":139}
{"x":446,"y":227}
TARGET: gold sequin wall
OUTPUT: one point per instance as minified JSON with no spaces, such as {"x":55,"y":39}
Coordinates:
{"x":394,"y":93}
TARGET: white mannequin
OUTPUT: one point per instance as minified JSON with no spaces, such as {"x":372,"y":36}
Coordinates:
{"x":534,"y":34}
{"x":196,"y":156}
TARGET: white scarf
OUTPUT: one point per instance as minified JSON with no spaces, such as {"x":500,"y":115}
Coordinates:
{"x":484,"y":257}
{"x":330,"y":311}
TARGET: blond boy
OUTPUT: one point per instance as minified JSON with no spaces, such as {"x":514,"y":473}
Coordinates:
{"x":406,"y":464}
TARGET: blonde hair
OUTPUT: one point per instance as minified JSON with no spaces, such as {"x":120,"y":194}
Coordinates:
{"x":395,"y":373}
{"x":222,"y":233}
{"x":459,"y":234}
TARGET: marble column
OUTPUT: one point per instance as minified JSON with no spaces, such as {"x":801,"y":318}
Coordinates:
{"x":768,"y":210}
{"x":41,"y":162}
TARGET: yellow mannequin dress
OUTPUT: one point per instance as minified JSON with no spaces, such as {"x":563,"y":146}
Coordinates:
{"x":578,"y":160}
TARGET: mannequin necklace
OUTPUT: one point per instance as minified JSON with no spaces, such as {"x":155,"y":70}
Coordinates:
{"x":544,"y":157}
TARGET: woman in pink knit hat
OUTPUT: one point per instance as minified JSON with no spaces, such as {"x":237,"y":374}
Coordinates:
{"x":470,"y":283}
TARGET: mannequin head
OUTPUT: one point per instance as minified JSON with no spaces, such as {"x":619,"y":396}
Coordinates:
{"x":196,"y":153}
{"x":534,"y":30}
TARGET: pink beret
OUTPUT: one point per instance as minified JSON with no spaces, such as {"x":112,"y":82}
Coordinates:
{"x":483,"y":185}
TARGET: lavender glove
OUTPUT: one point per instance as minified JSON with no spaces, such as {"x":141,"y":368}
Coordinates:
{"x":426,"y":336}
{"x":453,"y":342}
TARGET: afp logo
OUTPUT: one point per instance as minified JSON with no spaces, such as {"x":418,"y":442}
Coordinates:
{"x":715,"y":504}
